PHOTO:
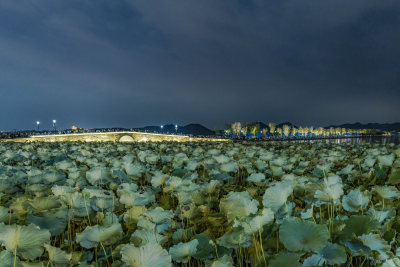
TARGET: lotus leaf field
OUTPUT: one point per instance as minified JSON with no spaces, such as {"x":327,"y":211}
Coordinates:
{"x":199,"y":204}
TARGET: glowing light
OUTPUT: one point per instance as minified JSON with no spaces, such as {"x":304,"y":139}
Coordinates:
{"x":38,"y":122}
{"x":162,"y":126}
{"x":144,"y":139}
{"x":54,"y":121}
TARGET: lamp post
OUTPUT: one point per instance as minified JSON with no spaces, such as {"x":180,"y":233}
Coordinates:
{"x":55,"y":125}
{"x":176,"y":128}
{"x":38,"y":123}
{"x":162,"y":127}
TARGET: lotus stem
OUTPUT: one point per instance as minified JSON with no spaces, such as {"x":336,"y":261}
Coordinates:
{"x":262,"y":248}
{"x":69,"y":230}
{"x":287,"y":209}
{"x":105,"y":253}
{"x":87,"y":212}
{"x":362,"y":263}
{"x":15,"y":256}
{"x":95,"y":253}
{"x":112,"y":254}
{"x":255,"y":246}
{"x":277,"y":241}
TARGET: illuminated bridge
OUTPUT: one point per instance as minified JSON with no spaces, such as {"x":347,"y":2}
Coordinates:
{"x":112,"y":137}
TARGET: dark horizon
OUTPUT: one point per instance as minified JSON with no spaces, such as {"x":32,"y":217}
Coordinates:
{"x":183,"y":125}
{"x":149,"y":62}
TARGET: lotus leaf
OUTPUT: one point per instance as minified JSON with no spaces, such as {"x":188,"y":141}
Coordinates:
{"x":141,"y":198}
{"x":346,"y":170}
{"x":238,"y":205}
{"x":354,"y":201}
{"x":27,"y":241}
{"x":204,"y":248}
{"x":256,"y":178}
{"x":394,"y":177}
{"x":333,"y":254}
{"x":357,"y":225}
{"x":52,"y":177}
{"x":332,"y":191}
{"x":97,"y":175}
{"x":286,"y":259}
{"x":133,"y":214}
{"x":158,"y":179}
{"x":93,"y":235}
{"x":276,"y":196}
{"x":150,"y":255}
{"x":7,"y":259}
{"x":159,"y":215}
{"x":7,"y":215}
{"x":224,"y":261}
{"x":386,"y":192}
{"x":183,"y":251}
{"x":235,"y":239}
{"x":386,"y":160}
{"x":298,"y":235}
{"x":357,"y":248}
{"x":142,"y":237}
{"x":55,"y":225}
{"x":45,"y":203}
{"x":255,"y":224}
{"x":229,"y":167}
{"x":57,"y":256}
{"x":382,"y":215}
{"x":307,"y":214}
{"x":375,"y":243}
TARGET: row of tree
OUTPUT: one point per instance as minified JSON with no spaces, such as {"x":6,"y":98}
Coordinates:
{"x":286,"y":130}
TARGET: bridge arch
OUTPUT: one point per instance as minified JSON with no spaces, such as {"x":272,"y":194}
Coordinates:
{"x":126,"y":138}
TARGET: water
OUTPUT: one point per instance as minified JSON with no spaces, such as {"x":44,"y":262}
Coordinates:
{"x":360,"y":140}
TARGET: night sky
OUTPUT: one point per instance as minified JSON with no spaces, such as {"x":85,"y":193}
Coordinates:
{"x":112,"y":63}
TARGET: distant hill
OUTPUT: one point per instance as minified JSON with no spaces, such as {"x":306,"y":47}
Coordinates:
{"x":285,"y":123}
{"x":193,"y":129}
{"x":198,"y":129}
{"x":263,"y":125}
{"x":378,"y":126}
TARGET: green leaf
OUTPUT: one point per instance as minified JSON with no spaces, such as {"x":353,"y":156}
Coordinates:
{"x":334,"y":254}
{"x":394,"y":178}
{"x":204,"y":249}
{"x":55,"y":225}
{"x":7,"y":259}
{"x":285,"y":259}
{"x":57,"y":256}
{"x":93,"y":235}
{"x":183,"y":251}
{"x":357,"y":225}
{"x":28,"y":240}
{"x":298,"y":235}
{"x":150,"y":255}
{"x":358,"y":248}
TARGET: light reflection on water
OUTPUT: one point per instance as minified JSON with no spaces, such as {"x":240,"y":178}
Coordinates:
{"x":358,"y":140}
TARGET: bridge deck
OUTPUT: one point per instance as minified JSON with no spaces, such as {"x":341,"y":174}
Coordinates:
{"x":112,"y":137}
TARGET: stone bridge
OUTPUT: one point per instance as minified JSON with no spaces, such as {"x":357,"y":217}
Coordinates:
{"x":112,"y":137}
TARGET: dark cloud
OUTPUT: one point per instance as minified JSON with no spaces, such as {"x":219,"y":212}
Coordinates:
{"x":139,"y":62}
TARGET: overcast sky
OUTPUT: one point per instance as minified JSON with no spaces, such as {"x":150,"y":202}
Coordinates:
{"x":126,"y":63}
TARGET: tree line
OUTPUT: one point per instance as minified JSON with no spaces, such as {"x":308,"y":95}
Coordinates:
{"x":239,"y":129}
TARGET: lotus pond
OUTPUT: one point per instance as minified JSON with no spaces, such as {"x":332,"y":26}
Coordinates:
{"x":199,"y":204}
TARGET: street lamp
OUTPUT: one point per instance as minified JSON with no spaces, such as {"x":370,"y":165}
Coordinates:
{"x":176,"y":128}
{"x":55,"y":125}
{"x":162,"y":127}
{"x":38,"y":123}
